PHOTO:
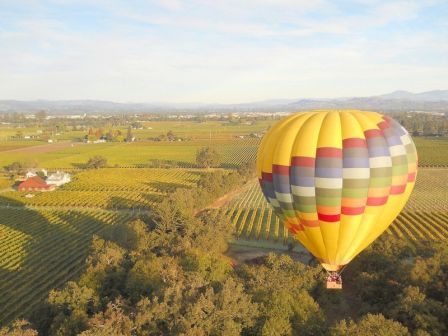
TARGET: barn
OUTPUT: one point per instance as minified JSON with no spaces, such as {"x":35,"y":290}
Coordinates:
{"x":35,"y":183}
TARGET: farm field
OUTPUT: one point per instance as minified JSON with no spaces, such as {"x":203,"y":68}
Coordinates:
{"x":432,"y":152}
{"x":195,"y":130}
{"x":13,"y":145}
{"x":109,"y":188}
{"x":425,"y":216}
{"x":41,"y":250}
{"x":137,"y":154}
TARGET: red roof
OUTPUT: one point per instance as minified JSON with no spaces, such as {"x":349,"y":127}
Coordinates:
{"x":35,"y":182}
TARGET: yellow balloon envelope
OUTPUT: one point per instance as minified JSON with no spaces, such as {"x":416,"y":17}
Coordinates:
{"x":337,"y":179}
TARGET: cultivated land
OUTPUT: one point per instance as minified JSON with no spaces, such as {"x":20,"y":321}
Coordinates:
{"x":425,"y":216}
{"x":45,"y":239}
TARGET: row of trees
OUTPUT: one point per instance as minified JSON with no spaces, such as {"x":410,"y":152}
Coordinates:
{"x":206,"y":157}
{"x":112,"y":135}
{"x":423,"y":123}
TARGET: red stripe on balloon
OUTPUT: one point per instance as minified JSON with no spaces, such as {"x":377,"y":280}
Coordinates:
{"x":266,"y":176}
{"x":354,"y":142}
{"x":373,"y":133}
{"x":397,"y":189}
{"x":303,"y":161}
{"x":352,"y":211}
{"x":374,"y":201}
{"x":329,"y":152}
{"x":280,"y":170}
{"x":295,"y":228}
{"x":329,"y":218}
{"x":383,"y":125}
{"x":309,"y":223}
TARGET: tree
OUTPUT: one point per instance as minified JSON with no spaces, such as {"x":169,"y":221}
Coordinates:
{"x":70,"y":308}
{"x":208,"y":157}
{"x":247,"y":169}
{"x":18,"y":328}
{"x":225,"y":311}
{"x":19,"y":135}
{"x":97,"y":162}
{"x":370,"y":325}
{"x":419,"y":313}
{"x":170,"y":135}
{"x":13,"y":167}
{"x":129,"y":135}
{"x":112,"y":322}
{"x":151,"y":275}
{"x":30,"y":163}
{"x":41,"y":116}
{"x":104,"y":272}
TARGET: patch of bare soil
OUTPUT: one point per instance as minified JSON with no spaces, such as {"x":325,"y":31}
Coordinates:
{"x":223,"y":200}
{"x":47,"y":148}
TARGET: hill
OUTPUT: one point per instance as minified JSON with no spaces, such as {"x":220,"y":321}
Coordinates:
{"x":436,"y":100}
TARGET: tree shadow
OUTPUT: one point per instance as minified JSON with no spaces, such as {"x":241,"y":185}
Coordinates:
{"x":197,"y":173}
{"x":156,"y":163}
{"x":229,"y":165}
{"x":79,"y":165}
{"x":121,"y":203}
{"x":161,"y":186}
{"x":41,"y":250}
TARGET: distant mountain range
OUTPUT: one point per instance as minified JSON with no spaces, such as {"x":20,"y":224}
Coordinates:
{"x":436,"y":100}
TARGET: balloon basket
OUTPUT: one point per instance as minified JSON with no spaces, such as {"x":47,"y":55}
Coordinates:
{"x":334,"y":281}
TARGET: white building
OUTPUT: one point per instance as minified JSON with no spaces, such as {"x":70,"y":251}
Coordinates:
{"x":59,"y":178}
{"x":30,"y":174}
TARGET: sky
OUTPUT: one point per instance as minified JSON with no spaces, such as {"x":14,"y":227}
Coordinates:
{"x":216,"y":51}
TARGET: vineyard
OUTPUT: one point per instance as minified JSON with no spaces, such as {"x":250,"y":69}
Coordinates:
{"x":118,"y":188}
{"x":42,"y":250}
{"x":137,"y":154}
{"x":432,"y":152}
{"x":424,"y":217}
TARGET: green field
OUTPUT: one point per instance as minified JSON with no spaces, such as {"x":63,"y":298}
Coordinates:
{"x":137,"y":154}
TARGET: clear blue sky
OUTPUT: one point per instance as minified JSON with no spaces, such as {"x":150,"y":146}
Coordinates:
{"x":220,"y":51}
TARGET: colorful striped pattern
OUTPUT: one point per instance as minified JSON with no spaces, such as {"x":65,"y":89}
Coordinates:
{"x":337,"y":178}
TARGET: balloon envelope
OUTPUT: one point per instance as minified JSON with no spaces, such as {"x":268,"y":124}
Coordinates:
{"x":337,"y":179}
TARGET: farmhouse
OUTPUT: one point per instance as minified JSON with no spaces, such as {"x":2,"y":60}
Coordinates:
{"x":30,"y":174}
{"x":59,"y":178}
{"x":35,"y":183}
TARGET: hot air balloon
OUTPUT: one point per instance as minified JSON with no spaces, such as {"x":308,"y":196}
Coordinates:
{"x":337,"y":180}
